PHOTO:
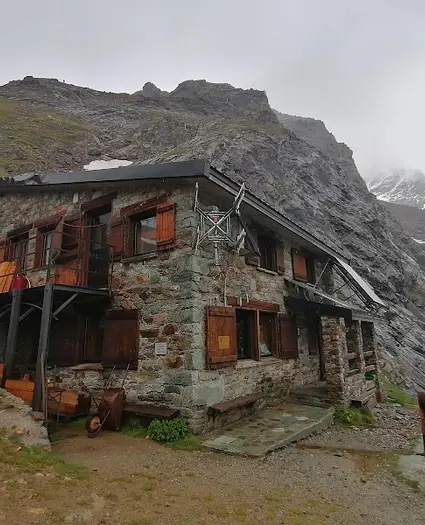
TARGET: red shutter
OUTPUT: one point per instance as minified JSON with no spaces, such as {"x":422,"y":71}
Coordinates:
{"x":121,"y":339}
{"x":221,"y":336}
{"x":288,"y":337}
{"x":299,"y":265}
{"x":116,"y":238}
{"x":165,"y":226}
{"x":280,"y":259}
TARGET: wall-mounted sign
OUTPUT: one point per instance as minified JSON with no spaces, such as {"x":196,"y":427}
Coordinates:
{"x":160,"y":348}
{"x":223,"y":342}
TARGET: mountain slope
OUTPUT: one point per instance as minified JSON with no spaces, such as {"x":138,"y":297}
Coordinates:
{"x":297,"y":166}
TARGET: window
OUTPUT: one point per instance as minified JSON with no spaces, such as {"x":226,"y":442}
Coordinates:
{"x":249,"y":333}
{"x":246,"y":334}
{"x":18,"y":249}
{"x":144,"y":234}
{"x":47,"y":247}
{"x":48,"y":240}
{"x":268,"y":342}
{"x":145,"y":228}
{"x":268,"y":259}
{"x":247,"y":341}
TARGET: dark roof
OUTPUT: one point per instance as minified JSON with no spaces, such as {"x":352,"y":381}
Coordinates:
{"x":170,"y":170}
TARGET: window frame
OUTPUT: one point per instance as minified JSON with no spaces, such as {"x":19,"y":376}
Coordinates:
{"x":135,"y":222}
{"x":19,"y":236}
{"x":267,"y":244}
{"x":256,"y":315}
{"x":164,"y":211}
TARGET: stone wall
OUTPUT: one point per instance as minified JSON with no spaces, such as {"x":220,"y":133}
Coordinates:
{"x":171,"y":291}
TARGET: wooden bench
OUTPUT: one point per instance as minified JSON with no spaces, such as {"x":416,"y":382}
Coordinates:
{"x":149,"y":411}
{"x":239,"y":402}
{"x":367,"y":400}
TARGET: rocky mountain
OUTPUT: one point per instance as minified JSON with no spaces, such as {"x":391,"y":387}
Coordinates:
{"x":401,"y":186}
{"x":412,"y":219}
{"x":292,"y":162}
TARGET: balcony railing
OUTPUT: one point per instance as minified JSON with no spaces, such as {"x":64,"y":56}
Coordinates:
{"x":58,"y":257}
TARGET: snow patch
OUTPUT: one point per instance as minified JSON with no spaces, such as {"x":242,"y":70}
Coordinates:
{"x":106,"y":164}
{"x":418,"y":241}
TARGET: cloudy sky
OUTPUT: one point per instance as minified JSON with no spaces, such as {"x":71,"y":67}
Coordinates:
{"x":357,"y":65}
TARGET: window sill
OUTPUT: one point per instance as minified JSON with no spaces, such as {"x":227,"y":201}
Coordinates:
{"x":265,"y":270}
{"x":251,"y":363}
{"x":139,"y":258}
{"x":97,"y":367}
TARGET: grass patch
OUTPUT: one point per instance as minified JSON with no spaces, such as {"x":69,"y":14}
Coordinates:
{"x":134,"y":431}
{"x":362,"y":417}
{"x":35,"y":459}
{"x":188,"y":442}
{"x":79,"y":423}
{"x":31,"y":138}
{"x":397,"y":394}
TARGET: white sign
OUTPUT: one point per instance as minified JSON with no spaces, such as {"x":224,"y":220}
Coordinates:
{"x":160,"y":348}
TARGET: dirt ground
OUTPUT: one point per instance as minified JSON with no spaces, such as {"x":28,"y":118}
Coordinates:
{"x":134,"y":481}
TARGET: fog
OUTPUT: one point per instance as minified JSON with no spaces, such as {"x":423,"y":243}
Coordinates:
{"x":358,"y":66}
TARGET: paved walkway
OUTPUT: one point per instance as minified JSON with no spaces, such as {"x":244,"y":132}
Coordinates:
{"x":272,"y":429}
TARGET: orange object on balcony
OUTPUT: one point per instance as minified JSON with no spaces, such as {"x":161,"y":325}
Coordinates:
{"x":7,"y":273}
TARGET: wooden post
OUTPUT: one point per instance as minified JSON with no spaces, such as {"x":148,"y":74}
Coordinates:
{"x":12,"y":332}
{"x":421,"y":403}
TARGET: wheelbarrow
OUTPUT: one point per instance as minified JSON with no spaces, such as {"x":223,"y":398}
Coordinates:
{"x":109,"y":403}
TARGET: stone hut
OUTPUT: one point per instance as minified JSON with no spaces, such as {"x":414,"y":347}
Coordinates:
{"x":216,"y":303}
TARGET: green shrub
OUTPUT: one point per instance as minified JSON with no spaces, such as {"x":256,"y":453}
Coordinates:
{"x":167,"y":431}
{"x":397,"y":394}
{"x":362,"y":417}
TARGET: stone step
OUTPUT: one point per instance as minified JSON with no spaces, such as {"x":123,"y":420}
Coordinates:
{"x":273,"y":429}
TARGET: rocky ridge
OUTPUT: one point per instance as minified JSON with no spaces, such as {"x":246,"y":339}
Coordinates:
{"x":400,"y":186}
{"x":294,"y":163}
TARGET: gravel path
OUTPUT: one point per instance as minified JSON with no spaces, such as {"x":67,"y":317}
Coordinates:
{"x":134,"y":481}
{"x":293,"y":486}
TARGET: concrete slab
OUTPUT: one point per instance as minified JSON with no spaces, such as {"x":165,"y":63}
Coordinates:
{"x":271,"y":430}
{"x":413,"y":468}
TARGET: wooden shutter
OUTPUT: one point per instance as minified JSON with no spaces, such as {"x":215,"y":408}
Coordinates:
{"x":2,"y":250}
{"x":128,"y":237}
{"x":288,"y":337}
{"x":121,"y":339}
{"x":165,"y":226}
{"x":221,"y":336}
{"x":66,"y":339}
{"x":299,"y":265}
{"x":115,"y":238}
{"x":280,"y":259}
{"x":252,"y":259}
{"x":71,"y":235}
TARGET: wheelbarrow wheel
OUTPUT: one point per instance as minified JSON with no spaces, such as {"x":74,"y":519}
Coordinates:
{"x":93,"y":425}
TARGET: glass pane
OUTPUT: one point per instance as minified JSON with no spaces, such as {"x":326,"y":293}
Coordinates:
{"x":266,"y":334}
{"x":145,"y":235}
{"x":47,"y":245}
